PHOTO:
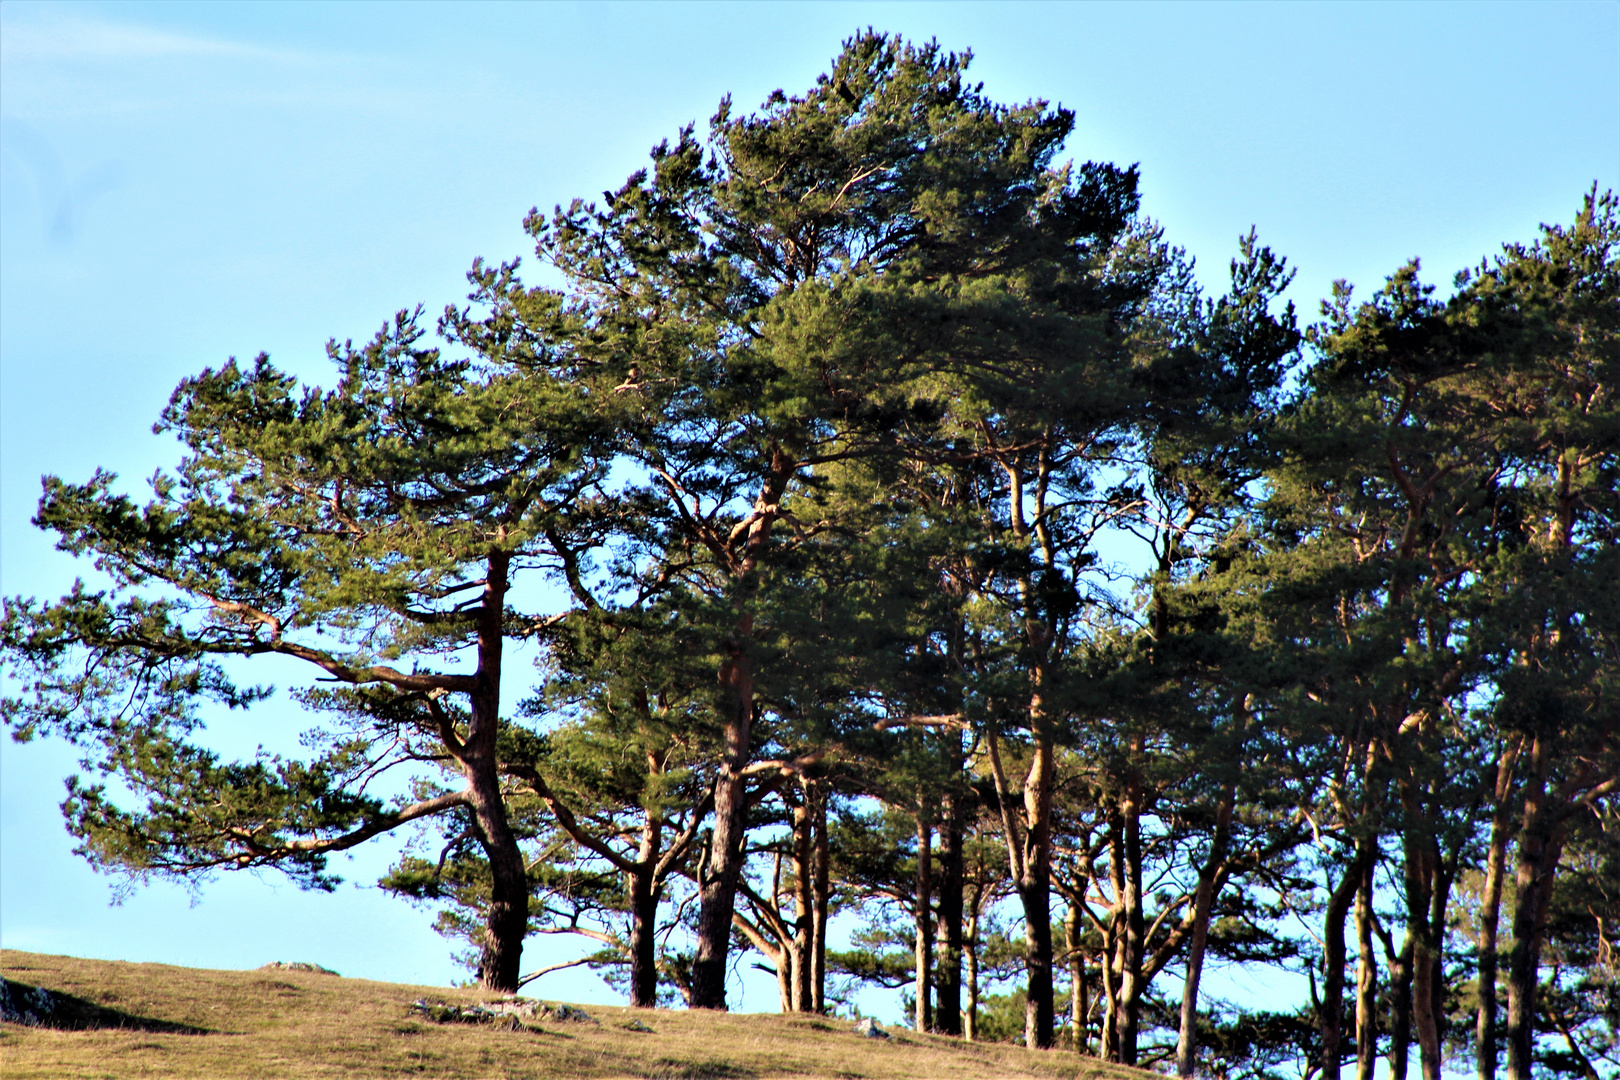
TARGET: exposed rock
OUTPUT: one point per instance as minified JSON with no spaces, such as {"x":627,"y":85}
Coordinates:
{"x":513,"y":1014}
{"x":869,"y":1028}
{"x":508,"y":1014}
{"x":637,"y":1025}
{"x":570,"y":1013}
{"x":297,"y":965}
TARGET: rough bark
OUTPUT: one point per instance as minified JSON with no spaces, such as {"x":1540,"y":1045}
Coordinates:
{"x":923,"y":919}
{"x":1540,"y":844}
{"x":643,"y":941}
{"x":721,"y":870}
{"x":823,"y":895}
{"x":717,"y":890}
{"x":1131,"y":981}
{"x":970,"y":1018}
{"x":1331,"y":1012}
{"x":1490,"y":912}
{"x":1203,"y":902}
{"x":1366,"y":977}
{"x":1077,"y":978}
{"x":507,"y":919}
{"x":948,"y":962}
{"x":1035,"y":893}
{"x":1400,"y":1008}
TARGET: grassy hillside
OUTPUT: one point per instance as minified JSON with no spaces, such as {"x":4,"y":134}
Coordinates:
{"x":152,"y":1020}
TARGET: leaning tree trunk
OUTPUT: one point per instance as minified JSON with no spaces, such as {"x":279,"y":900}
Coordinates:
{"x":500,"y":953}
{"x":1331,"y":1020}
{"x":1203,"y":903}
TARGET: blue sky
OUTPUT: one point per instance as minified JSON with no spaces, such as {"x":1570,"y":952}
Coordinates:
{"x":180,"y":183}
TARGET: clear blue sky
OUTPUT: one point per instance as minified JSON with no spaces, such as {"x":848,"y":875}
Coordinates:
{"x":184,"y":182}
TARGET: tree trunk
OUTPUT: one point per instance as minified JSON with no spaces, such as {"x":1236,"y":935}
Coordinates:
{"x":1331,"y":1015}
{"x":1366,"y":977}
{"x":1490,"y":911}
{"x":804,"y":906}
{"x":948,"y":962}
{"x":1540,"y":844}
{"x":507,"y":919}
{"x":1131,"y":983}
{"x":1113,"y":951}
{"x":1077,"y":978}
{"x":643,"y":940}
{"x":970,"y":1019}
{"x":717,"y":888}
{"x":923,"y":912}
{"x":1035,"y":891}
{"x":1400,"y":1009}
{"x":823,"y":895}
{"x":1203,"y":902}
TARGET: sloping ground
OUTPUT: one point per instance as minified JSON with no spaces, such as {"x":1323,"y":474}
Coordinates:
{"x":120,"y":1020}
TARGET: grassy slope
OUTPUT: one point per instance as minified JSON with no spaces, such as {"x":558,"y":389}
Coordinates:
{"x":295,"y":1025}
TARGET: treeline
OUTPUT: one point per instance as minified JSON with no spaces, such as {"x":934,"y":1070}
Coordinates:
{"x":901,"y":532}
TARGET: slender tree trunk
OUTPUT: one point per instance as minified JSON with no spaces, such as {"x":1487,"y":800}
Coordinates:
{"x":1400,"y":1010}
{"x":1077,"y":977}
{"x":1331,"y":1019}
{"x":1420,"y":873}
{"x":823,"y":895}
{"x":1131,"y":983}
{"x":970,"y":1019}
{"x":804,"y":907}
{"x":1113,"y":952}
{"x":1540,"y":844}
{"x":1035,"y":891}
{"x":924,"y":958}
{"x":717,"y":891}
{"x":1029,"y":857}
{"x":1366,"y":977}
{"x":948,"y":964}
{"x":1203,"y":902}
{"x":1490,"y":911}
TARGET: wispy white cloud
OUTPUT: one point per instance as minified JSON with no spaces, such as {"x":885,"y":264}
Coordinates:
{"x":75,"y":37}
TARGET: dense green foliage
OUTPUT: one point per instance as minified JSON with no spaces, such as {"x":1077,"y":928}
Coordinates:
{"x":905,"y":538}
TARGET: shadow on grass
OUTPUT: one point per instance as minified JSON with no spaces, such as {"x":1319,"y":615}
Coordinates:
{"x":672,"y":1069}
{"x":34,"y":1006}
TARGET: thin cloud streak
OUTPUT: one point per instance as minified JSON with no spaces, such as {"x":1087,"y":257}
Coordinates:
{"x":79,"y":38}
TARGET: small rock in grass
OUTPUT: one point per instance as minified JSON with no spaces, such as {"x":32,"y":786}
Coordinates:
{"x":637,"y":1025}
{"x":868,"y":1028}
{"x":576,"y":1015}
{"x":297,"y":965}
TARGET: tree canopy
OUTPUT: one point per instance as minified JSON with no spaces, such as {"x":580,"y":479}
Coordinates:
{"x":916,"y":560}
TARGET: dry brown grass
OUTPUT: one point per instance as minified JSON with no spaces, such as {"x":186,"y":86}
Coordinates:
{"x":188,"y":1022}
